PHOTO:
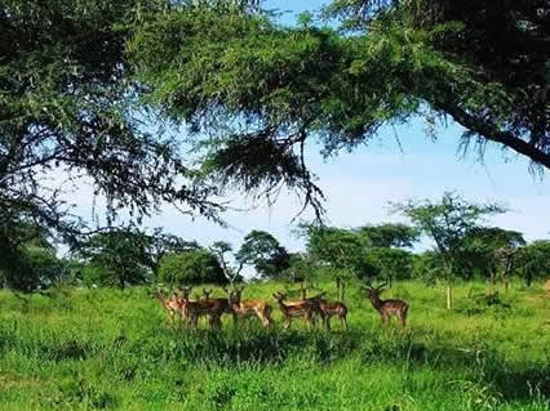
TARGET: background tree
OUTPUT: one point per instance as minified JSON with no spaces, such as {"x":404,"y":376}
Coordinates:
{"x":533,"y":261}
{"x":191,"y":268}
{"x":117,"y":258}
{"x":388,"y":235}
{"x":161,"y":243}
{"x":484,"y":247}
{"x":28,"y":259}
{"x":390,"y":263}
{"x":261,"y":250}
{"x":449,"y":222}
{"x":301,"y":268}
{"x":344,"y":251}
{"x":426,"y":266}
{"x":220,"y":249}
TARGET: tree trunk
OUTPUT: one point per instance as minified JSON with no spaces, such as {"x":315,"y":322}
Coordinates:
{"x":449,"y":295}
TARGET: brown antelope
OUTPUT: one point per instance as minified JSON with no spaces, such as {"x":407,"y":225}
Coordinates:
{"x":246,"y":308}
{"x":298,"y":308}
{"x":206,"y":294}
{"x":170,"y":304}
{"x":213,"y":308}
{"x":328,"y":308}
{"x":387,"y":308}
{"x":334,"y":308}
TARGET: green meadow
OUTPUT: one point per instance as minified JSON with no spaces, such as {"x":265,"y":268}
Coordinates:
{"x":110,"y":349}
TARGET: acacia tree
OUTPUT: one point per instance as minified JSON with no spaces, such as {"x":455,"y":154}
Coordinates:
{"x":28,"y":260}
{"x":271,"y":88}
{"x":533,"y":261}
{"x":389,"y":235}
{"x":68,"y":110}
{"x":449,"y":222}
{"x":220,"y":249}
{"x":161,"y":244}
{"x":491,"y":250}
{"x":342,"y":250}
{"x":191,"y":267}
{"x":117,"y":257}
{"x":264,"y":252}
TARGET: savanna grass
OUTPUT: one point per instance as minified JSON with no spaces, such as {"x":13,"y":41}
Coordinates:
{"x":107,"y":349}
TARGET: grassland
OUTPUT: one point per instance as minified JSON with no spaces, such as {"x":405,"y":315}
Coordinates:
{"x":107,"y":349}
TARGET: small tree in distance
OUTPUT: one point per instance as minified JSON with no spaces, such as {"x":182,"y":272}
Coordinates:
{"x":191,"y":268}
{"x":448,"y":222}
{"x":390,"y":235}
{"x":220,"y":249}
{"x":261,"y":250}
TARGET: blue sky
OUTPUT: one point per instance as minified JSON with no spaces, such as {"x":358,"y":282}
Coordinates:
{"x":359,"y":185}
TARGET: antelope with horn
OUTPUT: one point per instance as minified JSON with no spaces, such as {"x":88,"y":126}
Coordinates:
{"x":387,"y":308}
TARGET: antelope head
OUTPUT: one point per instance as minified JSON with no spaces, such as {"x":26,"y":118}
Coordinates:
{"x":185,"y":293}
{"x":279,"y":297}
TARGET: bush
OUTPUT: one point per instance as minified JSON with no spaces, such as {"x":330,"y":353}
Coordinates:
{"x":191,"y":267}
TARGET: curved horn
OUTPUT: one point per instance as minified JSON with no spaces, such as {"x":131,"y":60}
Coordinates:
{"x":381,"y":286}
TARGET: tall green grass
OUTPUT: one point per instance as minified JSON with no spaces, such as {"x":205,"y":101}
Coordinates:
{"x":107,"y":349}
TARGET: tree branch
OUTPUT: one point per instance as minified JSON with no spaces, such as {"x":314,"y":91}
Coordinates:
{"x":491,"y":132}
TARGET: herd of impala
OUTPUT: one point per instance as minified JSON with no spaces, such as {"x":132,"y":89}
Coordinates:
{"x":182,"y":307}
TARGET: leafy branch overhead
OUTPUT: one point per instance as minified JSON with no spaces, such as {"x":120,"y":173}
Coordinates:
{"x":226,"y":73}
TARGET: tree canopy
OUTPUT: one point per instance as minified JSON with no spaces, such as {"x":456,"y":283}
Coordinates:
{"x":69,"y":113}
{"x":271,"y":88}
{"x":390,"y":235}
{"x":117,"y":258}
{"x":264,"y":252}
{"x":89,"y":89}
{"x":191,"y":267}
{"x":451,"y":223}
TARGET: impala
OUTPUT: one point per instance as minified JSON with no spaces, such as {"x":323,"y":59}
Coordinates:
{"x":328,"y":309}
{"x":387,"y":308}
{"x":246,"y":308}
{"x":298,"y":308}
{"x":170,"y":304}
{"x":334,"y":308}
{"x":213,"y":308}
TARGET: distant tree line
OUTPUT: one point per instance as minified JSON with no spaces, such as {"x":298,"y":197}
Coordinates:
{"x":464,"y":248}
